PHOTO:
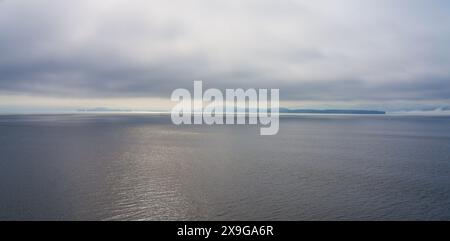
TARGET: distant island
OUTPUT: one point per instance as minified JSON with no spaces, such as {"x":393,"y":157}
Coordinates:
{"x":282,"y":110}
{"x":102,"y":109}
{"x":332,"y":111}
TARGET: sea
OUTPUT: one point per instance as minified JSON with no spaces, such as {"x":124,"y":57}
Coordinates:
{"x":142,"y":167}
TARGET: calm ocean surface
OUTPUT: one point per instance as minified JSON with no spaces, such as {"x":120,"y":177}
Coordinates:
{"x":141,"y":167}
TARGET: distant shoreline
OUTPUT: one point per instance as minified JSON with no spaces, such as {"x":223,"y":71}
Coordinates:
{"x":241,"y":111}
{"x":332,"y":111}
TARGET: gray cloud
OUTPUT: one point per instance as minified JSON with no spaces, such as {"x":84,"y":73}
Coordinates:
{"x":327,"y":50}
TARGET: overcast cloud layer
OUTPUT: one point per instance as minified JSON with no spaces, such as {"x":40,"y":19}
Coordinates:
{"x":332,"y":51}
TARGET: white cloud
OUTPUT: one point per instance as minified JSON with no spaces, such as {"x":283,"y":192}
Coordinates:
{"x":355,"y":51}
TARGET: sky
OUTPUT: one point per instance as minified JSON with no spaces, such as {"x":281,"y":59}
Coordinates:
{"x":131,"y":54}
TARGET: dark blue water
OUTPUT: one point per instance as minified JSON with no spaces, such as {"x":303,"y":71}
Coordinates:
{"x":141,"y":167}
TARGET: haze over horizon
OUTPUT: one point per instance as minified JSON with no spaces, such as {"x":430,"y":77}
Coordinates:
{"x":66,"y":55}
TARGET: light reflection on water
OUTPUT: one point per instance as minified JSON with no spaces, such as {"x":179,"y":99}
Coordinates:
{"x":141,"y":167}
